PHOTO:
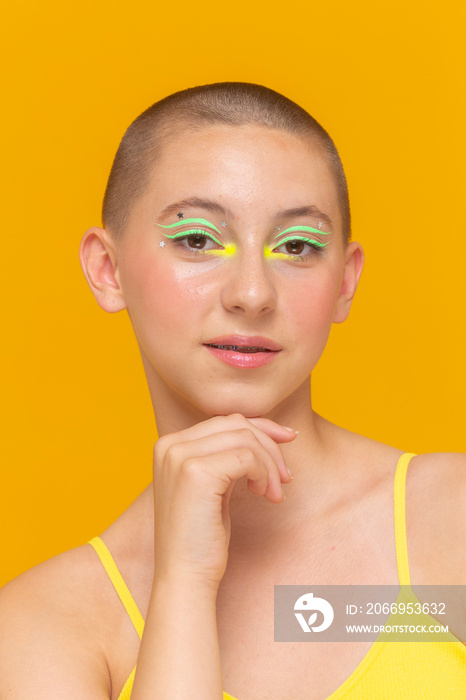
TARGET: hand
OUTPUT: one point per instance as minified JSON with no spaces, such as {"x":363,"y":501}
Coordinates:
{"x":195,"y":471}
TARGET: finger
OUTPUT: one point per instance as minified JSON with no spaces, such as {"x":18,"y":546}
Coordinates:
{"x":235,"y":464}
{"x":269,"y":433}
{"x":217,"y":443}
{"x":277,"y":432}
{"x":269,"y":436}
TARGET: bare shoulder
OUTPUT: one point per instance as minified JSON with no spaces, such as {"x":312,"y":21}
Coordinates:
{"x":51,"y":635}
{"x":436,"y":518}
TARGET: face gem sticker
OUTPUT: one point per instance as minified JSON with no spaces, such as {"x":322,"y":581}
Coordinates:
{"x":225,"y":250}
{"x":162,"y":244}
{"x":180,"y":215}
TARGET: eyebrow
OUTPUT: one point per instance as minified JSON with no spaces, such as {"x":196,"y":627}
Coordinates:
{"x":217,"y":208}
{"x":307,"y":210}
{"x":199,"y":203}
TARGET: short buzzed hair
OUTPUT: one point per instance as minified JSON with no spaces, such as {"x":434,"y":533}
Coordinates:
{"x":231,"y":103}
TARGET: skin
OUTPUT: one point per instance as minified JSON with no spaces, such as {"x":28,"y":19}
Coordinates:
{"x":222,"y":250}
{"x":297,"y":235}
{"x":243,"y":295}
{"x":220,"y":465}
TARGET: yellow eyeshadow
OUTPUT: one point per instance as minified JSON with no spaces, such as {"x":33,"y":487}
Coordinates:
{"x":226,"y":252}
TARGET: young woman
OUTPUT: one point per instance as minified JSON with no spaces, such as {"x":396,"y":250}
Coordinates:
{"x":227,"y":238}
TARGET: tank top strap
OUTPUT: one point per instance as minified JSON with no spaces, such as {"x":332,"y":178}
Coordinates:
{"x":401,"y":541}
{"x":120,"y":586}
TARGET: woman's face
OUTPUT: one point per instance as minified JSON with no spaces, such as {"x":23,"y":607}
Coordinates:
{"x":227,"y":279}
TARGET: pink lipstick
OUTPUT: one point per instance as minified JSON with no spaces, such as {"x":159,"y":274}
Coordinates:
{"x":243,"y":351}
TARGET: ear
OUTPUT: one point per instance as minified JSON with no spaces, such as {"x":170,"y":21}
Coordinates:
{"x":98,"y":260}
{"x":354,"y":262}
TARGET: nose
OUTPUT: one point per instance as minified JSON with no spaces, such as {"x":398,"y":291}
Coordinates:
{"x":248,"y":288}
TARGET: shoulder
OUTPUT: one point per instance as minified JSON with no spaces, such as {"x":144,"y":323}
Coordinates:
{"x":438,"y":482}
{"x":51,"y":635}
{"x":436,"y":518}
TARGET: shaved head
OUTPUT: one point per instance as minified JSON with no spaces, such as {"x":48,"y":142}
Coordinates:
{"x":233,"y":104}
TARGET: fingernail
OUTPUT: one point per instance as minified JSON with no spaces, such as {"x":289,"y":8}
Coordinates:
{"x":289,"y":472}
{"x":284,"y":497}
{"x":292,"y":430}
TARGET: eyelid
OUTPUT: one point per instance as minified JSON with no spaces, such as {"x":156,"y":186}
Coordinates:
{"x":309,"y":229}
{"x":192,"y":232}
{"x":183,"y":222}
{"x":305,"y":239}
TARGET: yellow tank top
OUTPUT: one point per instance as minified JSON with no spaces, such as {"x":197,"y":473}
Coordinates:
{"x":390,"y":670}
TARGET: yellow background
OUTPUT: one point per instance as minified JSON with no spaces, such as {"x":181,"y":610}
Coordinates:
{"x":387,"y":81}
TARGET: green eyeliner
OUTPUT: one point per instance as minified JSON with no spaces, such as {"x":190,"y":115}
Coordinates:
{"x":226,"y":250}
{"x":230,"y":248}
{"x":319,"y":244}
{"x":203,"y":222}
{"x":269,"y":251}
{"x":309,"y":229}
{"x":192,"y":232}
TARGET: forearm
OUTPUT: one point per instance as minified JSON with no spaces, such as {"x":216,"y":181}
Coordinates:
{"x":179,"y":656}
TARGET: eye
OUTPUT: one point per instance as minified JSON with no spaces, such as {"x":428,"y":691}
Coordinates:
{"x":294,"y":247}
{"x":299,"y":248}
{"x":197,"y":241}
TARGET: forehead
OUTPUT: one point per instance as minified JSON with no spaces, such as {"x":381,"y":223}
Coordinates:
{"x":248,"y":168}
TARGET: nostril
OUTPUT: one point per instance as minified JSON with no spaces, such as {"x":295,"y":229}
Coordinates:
{"x":249,"y":291}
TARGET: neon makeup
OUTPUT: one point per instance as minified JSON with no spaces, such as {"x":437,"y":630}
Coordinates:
{"x":308,"y":229}
{"x":184,"y":222}
{"x":229,"y":249}
{"x":269,"y":251}
{"x":225,"y":250}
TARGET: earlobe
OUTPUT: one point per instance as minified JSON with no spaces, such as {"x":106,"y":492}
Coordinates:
{"x":354,"y":263}
{"x":99,"y":264}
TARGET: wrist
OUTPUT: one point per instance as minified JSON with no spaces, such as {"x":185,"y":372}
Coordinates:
{"x":182,"y":583}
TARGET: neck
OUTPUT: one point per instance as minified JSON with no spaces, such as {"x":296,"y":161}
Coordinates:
{"x":308,"y":457}
{"x":174,"y":413}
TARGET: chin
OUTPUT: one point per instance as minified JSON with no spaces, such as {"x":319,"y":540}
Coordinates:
{"x":244,"y":408}
{"x":248,"y":404}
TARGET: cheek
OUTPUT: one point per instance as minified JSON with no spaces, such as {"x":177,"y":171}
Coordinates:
{"x":310,"y":305}
{"x":162,"y":298}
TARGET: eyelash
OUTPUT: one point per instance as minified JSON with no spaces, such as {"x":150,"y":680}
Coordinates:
{"x":180,"y":239}
{"x":316,"y":247}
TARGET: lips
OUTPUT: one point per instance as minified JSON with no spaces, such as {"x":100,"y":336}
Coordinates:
{"x":247,"y":352}
{"x":237,"y":348}
{"x":246,"y":344}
